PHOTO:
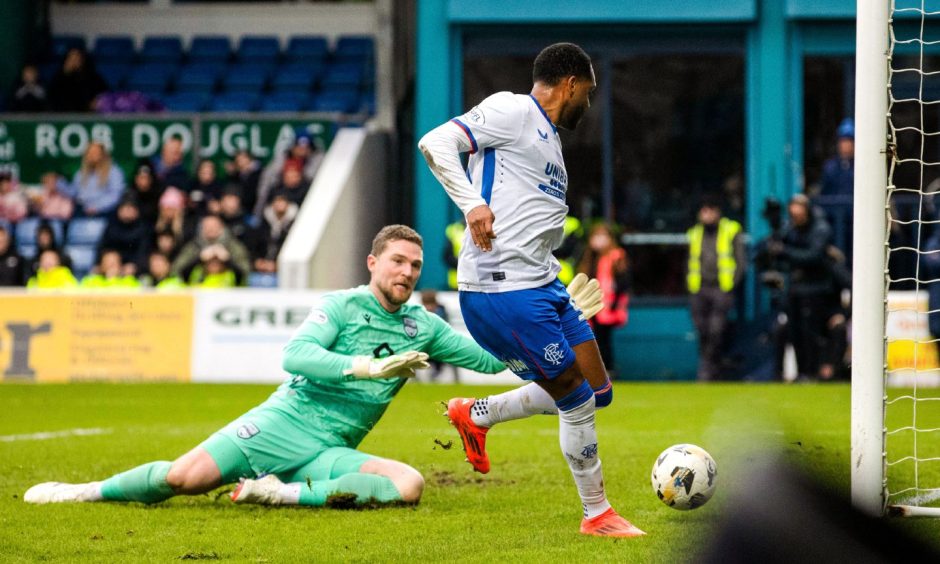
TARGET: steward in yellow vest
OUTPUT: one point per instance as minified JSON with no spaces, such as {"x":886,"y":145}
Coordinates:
{"x":454,"y":234}
{"x":717,"y":262}
{"x":570,"y":249}
{"x":51,"y":274}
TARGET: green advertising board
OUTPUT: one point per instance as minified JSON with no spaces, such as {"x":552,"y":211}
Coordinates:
{"x":30,"y":147}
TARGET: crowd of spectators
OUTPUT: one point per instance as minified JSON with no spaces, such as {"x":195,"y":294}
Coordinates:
{"x":165,"y":227}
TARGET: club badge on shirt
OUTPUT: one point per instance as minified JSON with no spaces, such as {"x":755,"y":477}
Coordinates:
{"x":411,"y":326}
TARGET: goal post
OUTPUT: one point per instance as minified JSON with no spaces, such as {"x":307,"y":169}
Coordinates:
{"x":869,"y":276}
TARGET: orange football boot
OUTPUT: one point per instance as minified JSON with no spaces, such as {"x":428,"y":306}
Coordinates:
{"x":609,"y":524}
{"x":472,"y":435}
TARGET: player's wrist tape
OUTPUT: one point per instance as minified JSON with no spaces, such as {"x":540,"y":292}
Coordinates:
{"x":395,"y":366}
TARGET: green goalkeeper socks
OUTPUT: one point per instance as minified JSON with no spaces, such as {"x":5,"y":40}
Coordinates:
{"x":146,"y":484}
{"x":349,"y":490}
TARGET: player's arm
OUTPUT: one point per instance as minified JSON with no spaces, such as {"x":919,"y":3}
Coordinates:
{"x":453,"y":348}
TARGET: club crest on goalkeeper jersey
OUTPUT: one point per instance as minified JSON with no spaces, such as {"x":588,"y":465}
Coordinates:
{"x":516,"y":164}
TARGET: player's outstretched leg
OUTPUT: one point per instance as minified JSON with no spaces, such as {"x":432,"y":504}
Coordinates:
{"x":341,"y":478}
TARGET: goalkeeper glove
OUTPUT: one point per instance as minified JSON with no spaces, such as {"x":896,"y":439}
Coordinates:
{"x":586,"y":295}
{"x":395,"y":366}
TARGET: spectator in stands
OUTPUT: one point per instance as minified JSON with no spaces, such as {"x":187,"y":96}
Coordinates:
{"x":214,"y":270}
{"x":54,"y":201}
{"x":75,"y":86}
{"x":45,"y":241}
{"x":212,"y":231}
{"x":110,"y":274}
{"x":277,"y":221}
{"x":12,"y":265}
{"x":172,"y":216}
{"x":245,"y":171}
{"x":169,"y":166}
{"x":232,"y":214}
{"x":304,"y":153}
{"x":129,"y":235}
{"x":294,"y":186}
{"x":836,"y":192}
{"x":51,"y":274}
{"x":205,"y":190}
{"x":605,"y":260}
{"x":97,"y":186}
{"x":28,"y":94}
{"x":165,"y":243}
{"x":147,"y":189}
{"x":13,"y":202}
{"x":158,"y":274}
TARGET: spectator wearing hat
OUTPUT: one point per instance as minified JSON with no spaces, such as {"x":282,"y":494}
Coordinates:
{"x":172,"y":216}
{"x":205,"y":190}
{"x":304,"y":153}
{"x":54,"y":201}
{"x":275,"y":224}
{"x":13,"y":202}
{"x":212,"y":231}
{"x":147,"y":189}
{"x":129,"y":235}
{"x":245,"y":171}
{"x":837,"y":187}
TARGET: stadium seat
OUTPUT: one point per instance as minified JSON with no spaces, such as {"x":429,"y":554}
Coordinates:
{"x":85,"y":231}
{"x":246,"y":78}
{"x":262,"y":280}
{"x":83,"y":258}
{"x":199,"y":77}
{"x":258,"y":49}
{"x":295,"y":78}
{"x":150,"y":78}
{"x":62,"y":43}
{"x":162,"y":49}
{"x":114,"y":74}
{"x":354,"y":48}
{"x":187,"y":101}
{"x":336,"y":101}
{"x":114,"y":49}
{"x":234,"y":102}
{"x":48,"y":70}
{"x":348,"y":75}
{"x":285,"y":102}
{"x":206,"y":48}
{"x":26,"y":251}
{"x":26,"y":230}
{"x":307,"y":49}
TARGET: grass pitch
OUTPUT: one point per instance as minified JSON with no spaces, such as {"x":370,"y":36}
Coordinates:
{"x":525,"y":510}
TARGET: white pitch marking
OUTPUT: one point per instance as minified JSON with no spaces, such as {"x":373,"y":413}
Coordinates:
{"x":45,"y":435}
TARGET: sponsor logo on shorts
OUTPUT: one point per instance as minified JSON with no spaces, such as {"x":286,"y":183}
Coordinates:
{"x":411,"y":326}
{"x":554,"y":354}
{"x":247,"y":431}
{"x":516,"y":365}
{"x":318,"y":316}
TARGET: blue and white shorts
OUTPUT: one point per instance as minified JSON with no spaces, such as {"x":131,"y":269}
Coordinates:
{"x":532,"y":331}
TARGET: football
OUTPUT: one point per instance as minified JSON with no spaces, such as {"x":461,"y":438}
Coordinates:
{"x":684,"y":477}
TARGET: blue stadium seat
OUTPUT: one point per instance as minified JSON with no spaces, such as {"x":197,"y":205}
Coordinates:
{"x":354,"y":48}
{"x":342,"y":75}
{"x":162,"y":49}
{"x":151,"y":77}
{"x":85,"y":230}
{"x":187,"y":101}
{"x":114,"y":49}
{"x":114,"y":74}
{"x":83,"y":258}
{"x":199,"y":77}
{"x":262,"y":280}
{"x":48,"y":70}
{"x":246,"y":78}
{"x":336,"y":101}
{"x":234,"y":102}
{"x":307,"y":49}
{"x":210,"y":48}
{"x":258,"y":49}
{"x":62,"y":43}
{"x":26,"y":251}
{"x":26,"y":230}
{"x":285,"y":102}
{"x":295,"y":78}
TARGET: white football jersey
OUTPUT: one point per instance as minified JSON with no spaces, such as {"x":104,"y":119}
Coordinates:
{"x":517,"y":166}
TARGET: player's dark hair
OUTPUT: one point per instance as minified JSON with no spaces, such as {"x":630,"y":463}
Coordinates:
{"x":391,"y":233}
{"x":559,"y":61}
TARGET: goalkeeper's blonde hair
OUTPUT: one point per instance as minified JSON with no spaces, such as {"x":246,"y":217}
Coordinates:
{"x":395,"y":232}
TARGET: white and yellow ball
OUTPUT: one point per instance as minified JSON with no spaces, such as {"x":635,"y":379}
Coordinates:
{"x":684,"y":476}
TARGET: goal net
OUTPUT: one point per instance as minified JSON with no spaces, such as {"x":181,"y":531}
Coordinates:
{"x":908,"y":479}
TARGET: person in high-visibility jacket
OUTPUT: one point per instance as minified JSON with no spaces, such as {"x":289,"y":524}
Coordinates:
{"x":110,"y":274}
{"x":454,"y":234}
{"x":717,"y":262}
{"x":570,"y":249}
{"x":52,"y":275}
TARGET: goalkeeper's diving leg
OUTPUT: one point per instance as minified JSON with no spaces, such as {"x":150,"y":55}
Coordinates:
{"x":339,"y":477}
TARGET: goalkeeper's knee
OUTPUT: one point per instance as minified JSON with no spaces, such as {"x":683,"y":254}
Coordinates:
{"x":603,"y":395}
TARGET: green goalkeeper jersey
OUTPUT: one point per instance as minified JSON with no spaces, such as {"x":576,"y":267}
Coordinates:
{"x":350,"y":323}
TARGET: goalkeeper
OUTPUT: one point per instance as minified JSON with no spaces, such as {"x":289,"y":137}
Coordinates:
{"x":350,"y":357}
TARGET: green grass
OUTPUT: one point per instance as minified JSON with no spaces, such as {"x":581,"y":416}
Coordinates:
{"x":526,"y":509}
